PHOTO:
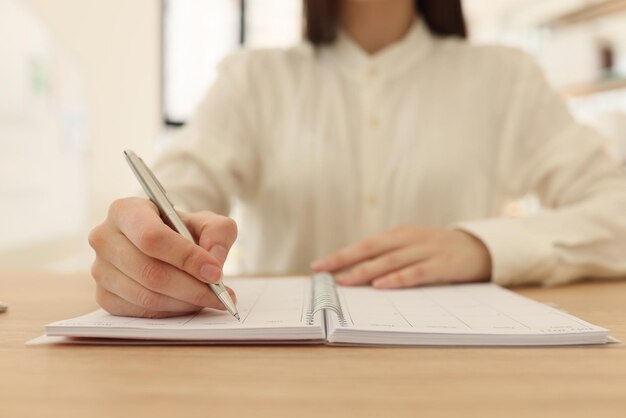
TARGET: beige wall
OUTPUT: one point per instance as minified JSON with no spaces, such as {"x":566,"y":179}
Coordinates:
{"x":117,"y":45}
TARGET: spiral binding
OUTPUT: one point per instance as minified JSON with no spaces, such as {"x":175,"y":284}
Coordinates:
{"x":325,"y":297}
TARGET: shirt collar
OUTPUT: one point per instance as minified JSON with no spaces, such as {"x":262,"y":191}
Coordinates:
{"x":388,"y":62}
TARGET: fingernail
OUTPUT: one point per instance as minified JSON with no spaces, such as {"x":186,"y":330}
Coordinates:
{"x":219,"y":253}
{"x":210,"y":273}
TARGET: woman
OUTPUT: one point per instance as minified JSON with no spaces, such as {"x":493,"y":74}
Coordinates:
{"x":384,"y":148}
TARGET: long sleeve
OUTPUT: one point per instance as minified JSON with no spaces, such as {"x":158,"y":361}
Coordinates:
{"x":581,"y":232}
{"x":214,"y":158}
{"x":444,"y":131}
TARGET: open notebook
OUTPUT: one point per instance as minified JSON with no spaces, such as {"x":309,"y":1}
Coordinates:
{"x":315,"y":310}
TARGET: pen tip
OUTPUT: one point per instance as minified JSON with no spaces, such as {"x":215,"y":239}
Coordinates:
{"x":237,"y":316}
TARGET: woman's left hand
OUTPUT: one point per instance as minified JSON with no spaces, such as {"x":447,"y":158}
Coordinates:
{"x":410,"y":256}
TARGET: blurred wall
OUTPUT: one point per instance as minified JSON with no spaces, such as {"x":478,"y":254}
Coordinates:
{"x":117,"y":46}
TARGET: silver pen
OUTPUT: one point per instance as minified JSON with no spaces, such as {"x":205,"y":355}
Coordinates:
{"x":158,"y":196}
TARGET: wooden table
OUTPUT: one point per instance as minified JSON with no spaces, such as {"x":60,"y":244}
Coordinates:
{"x":301,"y":381}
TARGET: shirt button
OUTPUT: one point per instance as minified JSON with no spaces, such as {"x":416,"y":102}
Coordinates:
{"x":372,"y":200}
{"x":374,"y":122}
{"x":372,"y":72}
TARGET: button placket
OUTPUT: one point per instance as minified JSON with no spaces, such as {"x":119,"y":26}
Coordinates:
{"x":370,"y":158}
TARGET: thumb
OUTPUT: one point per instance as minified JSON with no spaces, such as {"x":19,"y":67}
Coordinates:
{"x":213,"y":232}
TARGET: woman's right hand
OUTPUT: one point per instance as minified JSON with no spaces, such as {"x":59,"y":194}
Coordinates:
{"x":144,"y":268}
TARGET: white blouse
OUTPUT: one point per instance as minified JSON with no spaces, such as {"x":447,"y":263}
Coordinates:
{"x":323,"y":147}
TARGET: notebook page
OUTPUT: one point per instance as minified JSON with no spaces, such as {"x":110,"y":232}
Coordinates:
{"x":454,"y":313}
{"x":269,"y":308}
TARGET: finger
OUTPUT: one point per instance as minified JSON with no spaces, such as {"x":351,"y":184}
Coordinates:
{"x":382,"y":265}
{"x":215,"y":233}
{"x":417,"y":274}
{"x":139,"y":221}
{"x":156,"y":275}
{"x":366,"y":249}
{"x":115,"y":305}
{"x":116,"y":282}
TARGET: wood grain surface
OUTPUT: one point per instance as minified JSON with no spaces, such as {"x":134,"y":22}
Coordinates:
{"x":301,"y":381}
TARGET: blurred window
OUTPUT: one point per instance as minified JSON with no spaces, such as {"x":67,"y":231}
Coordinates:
{"x":198,"y":34}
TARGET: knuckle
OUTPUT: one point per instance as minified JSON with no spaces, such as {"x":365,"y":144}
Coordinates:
{"x":399,"y":278}
{"x":96,"y":271}
{"x":103,"y":299}
{"x":95,"y":237}
{"x":152,"y":275}
{"x":188,"y":258}
{"x":117,"y":206}
{"x":148,"y":300}
{"x":419,"y":274}
{"x":99,"y":296}
{"x":147,"y":313}
{"x":149,"y":240}
{"x":100,"y":275}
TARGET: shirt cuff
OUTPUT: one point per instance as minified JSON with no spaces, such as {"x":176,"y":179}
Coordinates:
{"x":518,"y":256}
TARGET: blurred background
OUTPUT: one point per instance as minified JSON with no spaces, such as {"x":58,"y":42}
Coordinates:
{"x":82,"y":80}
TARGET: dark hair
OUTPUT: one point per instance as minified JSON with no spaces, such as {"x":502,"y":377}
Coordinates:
{"x":443,"y":17}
